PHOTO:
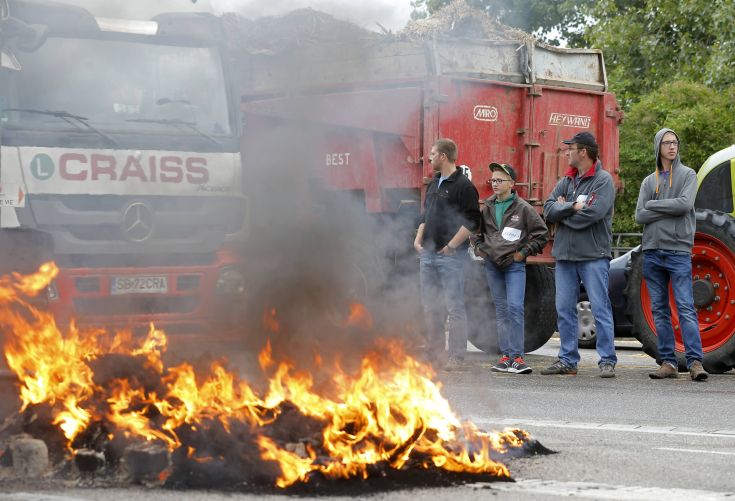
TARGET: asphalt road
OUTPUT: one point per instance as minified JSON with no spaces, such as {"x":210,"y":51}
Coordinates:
{"x":627,"y":438}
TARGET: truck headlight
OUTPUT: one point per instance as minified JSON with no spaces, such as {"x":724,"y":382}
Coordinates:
{"x":52,"y":292}
{"x":230,"y":281}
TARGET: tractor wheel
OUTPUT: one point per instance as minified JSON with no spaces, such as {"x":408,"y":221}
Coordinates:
{"x":713,"y":273}
{"x":540,"y":312}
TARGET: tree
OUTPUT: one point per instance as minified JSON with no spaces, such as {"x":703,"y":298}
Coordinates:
{"x":650,"y":42}
{"x":703,"y":118}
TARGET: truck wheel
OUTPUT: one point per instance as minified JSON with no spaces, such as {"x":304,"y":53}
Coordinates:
{"x":713,"y":273}
{"x":481,"y":327}
{"x":540,"y":312}
{"x":540,"y":317}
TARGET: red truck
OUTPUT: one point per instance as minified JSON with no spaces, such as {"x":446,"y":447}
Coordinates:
{"x":376,"y":107}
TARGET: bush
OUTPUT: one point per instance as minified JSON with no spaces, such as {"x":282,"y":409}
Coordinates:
{"x":704,"y":120}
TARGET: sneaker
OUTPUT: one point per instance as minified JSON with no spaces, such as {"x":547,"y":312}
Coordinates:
{"x":502,"y":366}
{"x":558,"y":367}
{"x":697,"y":372}
{"x":519,"y":367}
{"x":607,"y":370}
{"x":665,"y":371}
{"x":453,"y":364}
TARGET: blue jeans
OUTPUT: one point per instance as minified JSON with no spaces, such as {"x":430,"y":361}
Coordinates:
{"x":508,"y":287}
{"x":659,"y":268}
{"x":442,"y":293}
{"x":595,"y":275}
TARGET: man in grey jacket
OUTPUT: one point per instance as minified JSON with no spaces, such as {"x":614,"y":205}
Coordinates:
{"x":581,"y":205}
{"x":666,"y":210}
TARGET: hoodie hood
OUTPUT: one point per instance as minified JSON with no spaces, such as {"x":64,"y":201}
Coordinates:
{"x":657,"y":147}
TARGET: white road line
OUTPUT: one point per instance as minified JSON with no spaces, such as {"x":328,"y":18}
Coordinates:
{"x":723,"y":453}
{"x":607,"y":491}
{"x":630,"y":428}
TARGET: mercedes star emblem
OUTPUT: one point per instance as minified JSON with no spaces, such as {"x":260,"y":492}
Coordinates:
{"x":137,"y":222}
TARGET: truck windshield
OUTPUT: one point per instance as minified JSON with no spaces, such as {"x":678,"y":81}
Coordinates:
{"x":119,"y":86}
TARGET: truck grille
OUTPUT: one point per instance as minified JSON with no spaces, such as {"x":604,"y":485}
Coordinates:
{"x":109,"y":306}
{"x":117,"y":225}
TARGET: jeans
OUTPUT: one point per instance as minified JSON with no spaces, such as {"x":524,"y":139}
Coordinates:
{"x":508,"y":287}
{"x":594,"y":274}
{"x":659,"y":268}
{"x":442,"y":293}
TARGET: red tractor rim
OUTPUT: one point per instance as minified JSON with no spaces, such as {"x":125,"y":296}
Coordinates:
{"x":714,"y":262}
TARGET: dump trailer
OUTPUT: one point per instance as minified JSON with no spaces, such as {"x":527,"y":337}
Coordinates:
{"x":119,"y":161}
{"x":713,"y":272}
{"x":380,"y":103}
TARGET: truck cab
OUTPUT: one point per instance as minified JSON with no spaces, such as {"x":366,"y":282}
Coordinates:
{"x":119,"y":161}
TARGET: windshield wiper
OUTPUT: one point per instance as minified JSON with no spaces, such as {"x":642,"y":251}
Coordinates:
{"x":175,"y":122}
{"x":67,"y":117}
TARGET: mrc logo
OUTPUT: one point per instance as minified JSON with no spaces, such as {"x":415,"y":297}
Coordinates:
{"x":485,"y":113}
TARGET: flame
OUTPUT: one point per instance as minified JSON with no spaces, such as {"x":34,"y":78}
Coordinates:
{"x":359,"y":317}
{"x":389,"y":411}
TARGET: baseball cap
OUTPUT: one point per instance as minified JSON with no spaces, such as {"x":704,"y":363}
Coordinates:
{"x":584,"y":138}
{"x":508,"y":169}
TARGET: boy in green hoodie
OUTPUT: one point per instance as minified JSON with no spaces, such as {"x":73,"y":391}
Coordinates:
{"x":666,"y":210}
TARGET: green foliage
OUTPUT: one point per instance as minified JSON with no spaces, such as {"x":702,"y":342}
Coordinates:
{"x":650,"y":42}
{"x":703,"y":118}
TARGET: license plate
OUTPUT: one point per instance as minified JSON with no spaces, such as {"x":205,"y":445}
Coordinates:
{"x":139,"y":285}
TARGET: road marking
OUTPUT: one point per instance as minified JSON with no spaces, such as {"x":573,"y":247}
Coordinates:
{"x":695,"y":450}
{"x":607,"y":491}
{"x":631,"y":428}
{"x":36,"y":496}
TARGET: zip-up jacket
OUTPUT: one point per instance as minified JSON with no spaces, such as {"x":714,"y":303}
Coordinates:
{"x":665,"y":205}
{"x":586,"y":234}
{"x":521,"y":230}
{"x":448,"y":207}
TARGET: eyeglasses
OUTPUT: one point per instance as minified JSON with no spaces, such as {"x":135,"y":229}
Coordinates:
{"x":499,"y":181}
{"x":670,"y":143}
{"x":571,"y":149}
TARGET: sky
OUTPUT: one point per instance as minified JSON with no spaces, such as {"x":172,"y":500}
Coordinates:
{"x":392,"y":14}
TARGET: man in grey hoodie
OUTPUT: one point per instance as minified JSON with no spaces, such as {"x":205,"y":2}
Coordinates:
{"x":666,"y":210}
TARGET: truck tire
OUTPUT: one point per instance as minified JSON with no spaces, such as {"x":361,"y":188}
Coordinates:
{"x":481,"y":327}
{"x":540,"y":312}
{"x":540,"y":301}
{"x":713,"y":273}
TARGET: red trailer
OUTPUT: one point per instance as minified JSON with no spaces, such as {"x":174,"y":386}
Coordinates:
{"x":380,"y":105}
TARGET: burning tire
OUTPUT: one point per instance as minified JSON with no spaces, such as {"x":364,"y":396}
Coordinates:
{"x":713,"y":273}
{"x":540,"y":312}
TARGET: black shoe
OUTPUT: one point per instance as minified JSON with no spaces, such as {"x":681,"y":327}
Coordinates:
{"x":519,"y":367}
{"x":502,"y":366}
{"x":453,"y":364}
{"x":558,"y":367}
{"x":607,"y":370}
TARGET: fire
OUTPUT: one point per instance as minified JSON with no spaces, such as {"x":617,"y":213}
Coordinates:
{"x":388,"y":412}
